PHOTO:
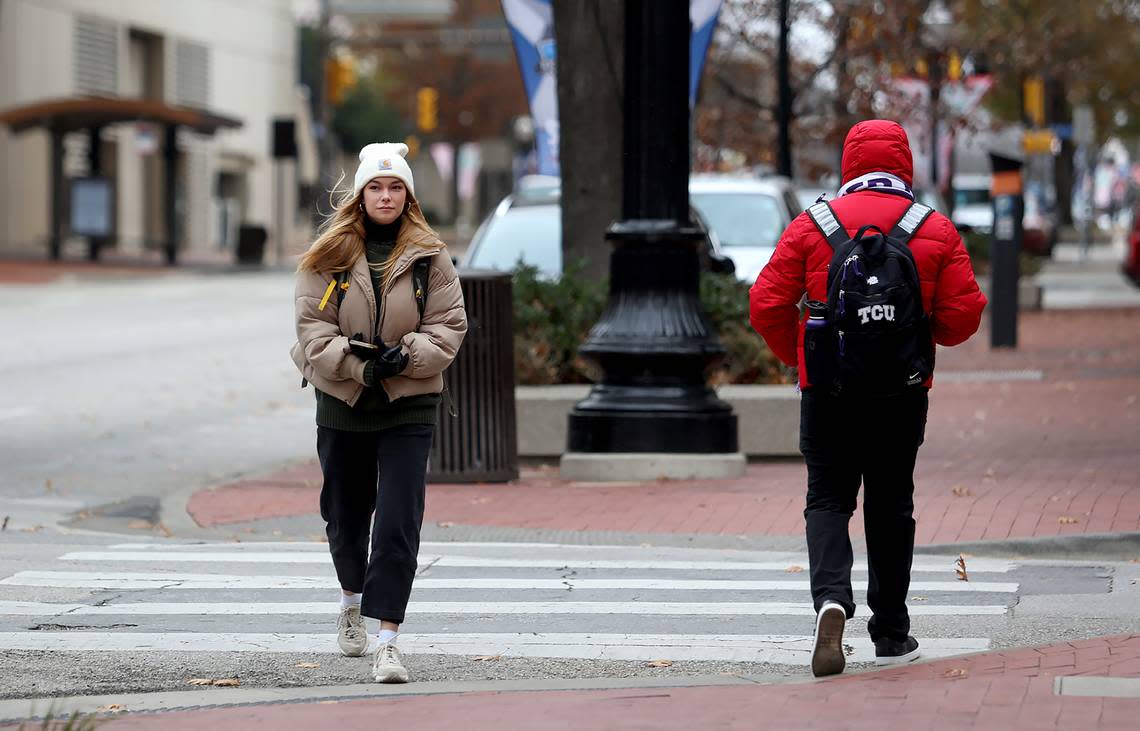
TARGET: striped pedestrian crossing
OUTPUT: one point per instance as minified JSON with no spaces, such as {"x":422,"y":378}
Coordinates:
{"x":645,"y":603}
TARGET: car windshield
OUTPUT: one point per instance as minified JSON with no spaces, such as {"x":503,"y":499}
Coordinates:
{"x":741,"y":219}
{"x":530,"y":234}
{"x":971,"y":197}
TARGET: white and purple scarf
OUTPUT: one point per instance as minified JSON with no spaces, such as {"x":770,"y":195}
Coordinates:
{"x":878,"y":182}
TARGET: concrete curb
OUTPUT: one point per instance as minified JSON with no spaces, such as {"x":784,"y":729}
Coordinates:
{"x":26,"y":709}
{"x":1085,"y":545}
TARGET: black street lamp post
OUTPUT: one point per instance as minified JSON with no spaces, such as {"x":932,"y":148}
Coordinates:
{"x":653,"y":342}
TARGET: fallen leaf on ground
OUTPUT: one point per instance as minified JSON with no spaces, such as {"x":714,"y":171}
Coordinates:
{"x":918,"y":599}
{"x":794,"y":569}
{"x":33,"y":529}
{"x":48,"y":485}
{"x":307,"y":665}
{"x":487,"y":658}
{"x":220,"y":682}
{"x":659,"y":664}
{"x":848,"y":650}
{"x":960,"y":569}
{"x":955,"y":673}
{"x":1067,"y":520}
{"x":140,"y":525}
{"x":961,"y":491}
{"x":111,"y":708}
{"x":446,"y":524}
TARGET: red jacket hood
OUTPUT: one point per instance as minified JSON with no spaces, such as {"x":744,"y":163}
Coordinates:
{"x":877,"y":145}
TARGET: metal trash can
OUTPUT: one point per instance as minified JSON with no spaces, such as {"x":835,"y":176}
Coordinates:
{"x":251,"y":244}
{"x":480,"y":443}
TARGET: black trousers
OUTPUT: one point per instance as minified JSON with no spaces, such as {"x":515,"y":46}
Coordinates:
{"x":382,"y":471}
{"x":847,"y":440}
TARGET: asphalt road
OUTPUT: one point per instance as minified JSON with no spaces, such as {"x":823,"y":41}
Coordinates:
{"x":144,"y":388}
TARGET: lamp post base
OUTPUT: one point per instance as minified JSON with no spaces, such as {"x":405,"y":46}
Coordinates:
{"x":645,"y":466}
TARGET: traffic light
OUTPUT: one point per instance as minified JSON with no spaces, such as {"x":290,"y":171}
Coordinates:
{"x":427,"y":109}
{"x":1034,"y":91}
{"x":340,"y":76}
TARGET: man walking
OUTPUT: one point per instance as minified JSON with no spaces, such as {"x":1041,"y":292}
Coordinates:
{"x":885,"y":280}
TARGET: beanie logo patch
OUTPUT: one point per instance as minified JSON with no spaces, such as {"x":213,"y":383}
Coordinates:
{"x":385,"y":164}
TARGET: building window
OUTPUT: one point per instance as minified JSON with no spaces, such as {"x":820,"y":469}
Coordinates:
{"x":96,"y":56}
{"x":192,"y":74}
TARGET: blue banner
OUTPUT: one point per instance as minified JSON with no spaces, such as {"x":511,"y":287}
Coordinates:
{"x":532,"y":30}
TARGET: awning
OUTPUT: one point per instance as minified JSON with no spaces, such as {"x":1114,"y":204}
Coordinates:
{"x":80,"y":113}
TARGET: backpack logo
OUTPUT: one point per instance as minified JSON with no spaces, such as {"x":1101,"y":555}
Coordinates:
{"x":876,"y":312}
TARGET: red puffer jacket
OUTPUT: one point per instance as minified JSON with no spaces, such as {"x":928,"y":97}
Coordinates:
{"x":950,"y":293}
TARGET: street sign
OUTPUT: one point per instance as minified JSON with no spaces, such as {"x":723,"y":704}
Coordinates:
{"x":1039,"y":142}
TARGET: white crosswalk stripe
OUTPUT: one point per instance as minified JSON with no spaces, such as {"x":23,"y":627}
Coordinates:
{"x":166,"y":600}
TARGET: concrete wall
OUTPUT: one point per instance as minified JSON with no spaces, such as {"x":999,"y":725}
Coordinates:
{"x":768,"y":418}
{"x":252,"y":69}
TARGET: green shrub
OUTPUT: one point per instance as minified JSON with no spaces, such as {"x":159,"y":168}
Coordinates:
{"x":553,"y":319}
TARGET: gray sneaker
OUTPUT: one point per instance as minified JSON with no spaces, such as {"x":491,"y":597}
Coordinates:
{"x":388,"y":666}
{"x":351,"y":634}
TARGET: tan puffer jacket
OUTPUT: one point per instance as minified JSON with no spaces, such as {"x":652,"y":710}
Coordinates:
{"x":321,"y":352}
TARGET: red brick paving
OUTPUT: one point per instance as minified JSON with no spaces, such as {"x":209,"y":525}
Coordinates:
{"x":1001,"y":460}
{"x":1011,"y":689}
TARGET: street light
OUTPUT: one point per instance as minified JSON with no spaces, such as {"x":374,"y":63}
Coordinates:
{"x":937,"y":26}
{"x":653,"y":342}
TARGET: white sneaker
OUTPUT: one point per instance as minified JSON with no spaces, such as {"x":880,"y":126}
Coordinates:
{"x":351,"y":634}
{"x":827,"y":656}
{"x":388,"y":666}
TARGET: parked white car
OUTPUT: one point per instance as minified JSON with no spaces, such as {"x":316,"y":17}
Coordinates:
{"x":747,"y":214}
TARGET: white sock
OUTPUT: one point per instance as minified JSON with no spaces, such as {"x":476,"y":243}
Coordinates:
{"x":386,"y":636}
{"x":349,"y":600}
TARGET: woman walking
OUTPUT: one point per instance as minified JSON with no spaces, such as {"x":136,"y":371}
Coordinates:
{"x":379,"y":317}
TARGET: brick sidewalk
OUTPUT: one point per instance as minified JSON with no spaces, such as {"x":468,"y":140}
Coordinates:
{"x":1007,"y":459}
{"x":1011,"y":689}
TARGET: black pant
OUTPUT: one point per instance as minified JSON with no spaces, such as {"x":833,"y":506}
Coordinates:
{"x":351,"y":463}
{"x":846,"y":440}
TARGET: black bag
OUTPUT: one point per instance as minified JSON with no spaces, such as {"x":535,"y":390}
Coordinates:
{"x":875,"y":339}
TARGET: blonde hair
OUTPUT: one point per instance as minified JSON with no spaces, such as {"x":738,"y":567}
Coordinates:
{"x":341,"y":240}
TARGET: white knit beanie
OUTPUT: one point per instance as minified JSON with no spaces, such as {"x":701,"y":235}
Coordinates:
{"x":383,"y":159}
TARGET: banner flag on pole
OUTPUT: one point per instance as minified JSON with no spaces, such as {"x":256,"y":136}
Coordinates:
{"x":532,"y":29}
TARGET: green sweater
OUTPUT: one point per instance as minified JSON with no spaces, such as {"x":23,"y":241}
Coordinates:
{"x":373,"y":411}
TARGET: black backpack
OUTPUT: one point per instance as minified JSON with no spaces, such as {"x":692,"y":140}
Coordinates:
{"x":874,"y":336}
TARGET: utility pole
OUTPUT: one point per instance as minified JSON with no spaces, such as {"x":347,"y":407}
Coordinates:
{"x":325,"y":150}
{"x":784,"y":114}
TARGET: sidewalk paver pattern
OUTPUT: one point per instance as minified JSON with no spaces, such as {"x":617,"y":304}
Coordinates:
{"x":1040,"y":441}
{"x":999,"y":690}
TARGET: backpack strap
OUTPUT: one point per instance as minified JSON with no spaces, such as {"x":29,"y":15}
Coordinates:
{"x":828,"y":224}
{"x":911,"y":220}
{"x":341,"y":286}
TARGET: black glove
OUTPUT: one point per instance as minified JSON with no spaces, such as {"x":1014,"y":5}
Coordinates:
{"x":390,"y":361}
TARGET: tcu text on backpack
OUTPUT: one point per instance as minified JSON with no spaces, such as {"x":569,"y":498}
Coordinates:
{"x":872,"y":336}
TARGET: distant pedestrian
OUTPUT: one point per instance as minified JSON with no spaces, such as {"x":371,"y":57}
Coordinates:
{"x":379,"y":315}
{"x":885,"y":280}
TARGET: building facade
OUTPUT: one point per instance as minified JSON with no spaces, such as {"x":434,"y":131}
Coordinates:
{"x":236,"y":59}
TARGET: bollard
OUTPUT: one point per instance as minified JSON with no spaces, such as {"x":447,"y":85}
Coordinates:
{"x":480,"y":443}
{"x":1005,"y":249}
